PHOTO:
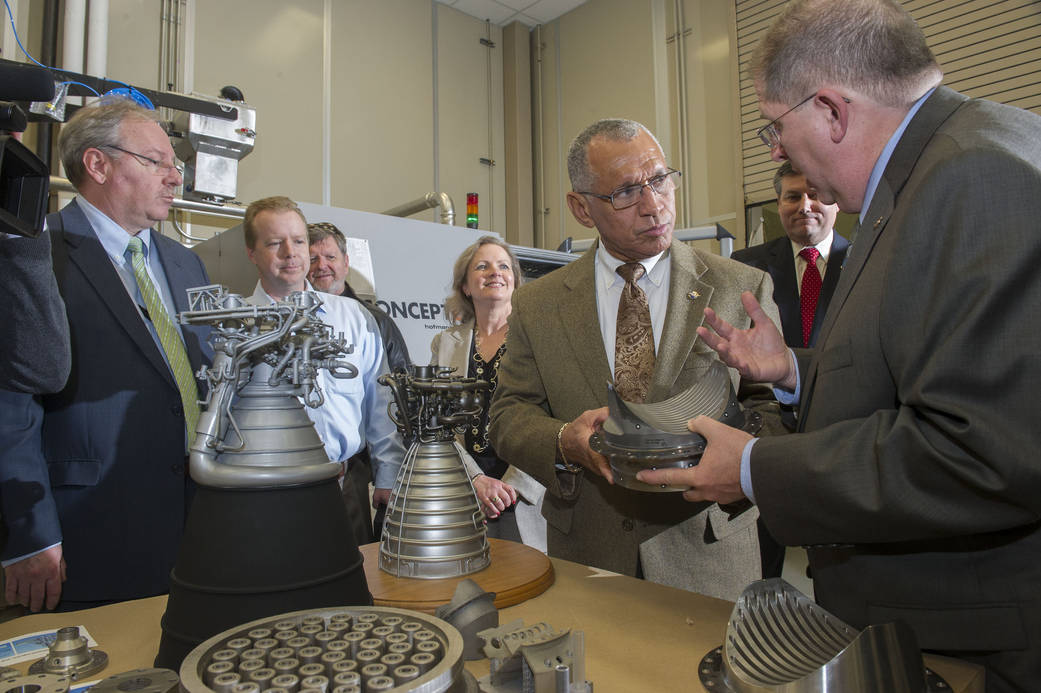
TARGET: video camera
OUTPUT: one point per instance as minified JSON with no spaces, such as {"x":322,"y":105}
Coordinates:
{"x":24,"y":177}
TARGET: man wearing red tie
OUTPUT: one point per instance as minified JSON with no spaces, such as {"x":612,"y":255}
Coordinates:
{"x":802,"y":286}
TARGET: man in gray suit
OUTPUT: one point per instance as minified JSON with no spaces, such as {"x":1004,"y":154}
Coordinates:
{"x":560,"y":355}
{"x":915,"y":471}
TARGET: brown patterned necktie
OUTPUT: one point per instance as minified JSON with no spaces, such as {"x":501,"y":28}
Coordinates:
{"x":634,"y":338}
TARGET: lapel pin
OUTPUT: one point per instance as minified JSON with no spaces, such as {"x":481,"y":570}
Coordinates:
{"x":877,"y":222}
{"x":694,"y":295}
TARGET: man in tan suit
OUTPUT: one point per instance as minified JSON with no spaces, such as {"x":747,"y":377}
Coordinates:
{"x":552,"y":391}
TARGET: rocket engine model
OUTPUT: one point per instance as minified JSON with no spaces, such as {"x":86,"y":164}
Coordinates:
{"x":434,"y":526}
{"x":268,"y":530}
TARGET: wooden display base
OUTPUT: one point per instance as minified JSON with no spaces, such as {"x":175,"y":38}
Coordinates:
{"x":517,"y":573}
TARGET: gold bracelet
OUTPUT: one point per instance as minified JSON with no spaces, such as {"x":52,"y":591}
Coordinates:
{"x":564,"y":465}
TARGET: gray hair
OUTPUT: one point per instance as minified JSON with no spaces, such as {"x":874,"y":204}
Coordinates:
{"x":614,"y":129}
{"x":458,"y":306}
{"x":783,"y":171}
{"x":95,"y":126}
{"x":873,"y":46}
{"x":320,"y":230}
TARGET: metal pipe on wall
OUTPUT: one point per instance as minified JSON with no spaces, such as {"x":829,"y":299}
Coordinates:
{"x":73,"y":37}
{"x":48,"y":54}
{"x":428,"y":201}
{"x":97,"y":39}
{"x":538,"y":147}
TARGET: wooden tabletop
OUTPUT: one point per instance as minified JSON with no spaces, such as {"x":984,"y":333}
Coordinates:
{"x":639,"y":636}
{"x":516,"y":573}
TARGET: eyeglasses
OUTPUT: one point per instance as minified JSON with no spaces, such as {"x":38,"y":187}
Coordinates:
{"x":769,"y":134}
{"x":627,"y":196}
{"x":154,"y":165}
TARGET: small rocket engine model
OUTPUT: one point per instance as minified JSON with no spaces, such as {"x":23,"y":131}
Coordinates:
{"x":268,"y":530}
{"x":434,"y":526}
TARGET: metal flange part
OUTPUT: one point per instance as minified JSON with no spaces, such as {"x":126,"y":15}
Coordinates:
{"x":8,"y":673}
{"x":69,"y":656}
{"x":140,"y":681}
{"x":40,"y":683}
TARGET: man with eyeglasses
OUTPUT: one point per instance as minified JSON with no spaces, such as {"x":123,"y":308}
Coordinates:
{"x":563,"y":349}
{"x":97,"y":495}
{"x":914,"y":473}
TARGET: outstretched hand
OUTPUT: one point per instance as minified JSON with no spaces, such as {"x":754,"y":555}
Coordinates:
{"x":758,"y":353}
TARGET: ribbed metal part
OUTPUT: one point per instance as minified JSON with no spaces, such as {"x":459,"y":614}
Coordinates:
{"x":434,"y":526}
{"x":779,"y":641}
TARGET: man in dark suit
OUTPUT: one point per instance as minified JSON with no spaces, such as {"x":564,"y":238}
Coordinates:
{"x":561,"y":352}
{"x":98,"y":492}
{"x":914,"y":474}
{"x":801,"y":291}
{"x":808,"y":223}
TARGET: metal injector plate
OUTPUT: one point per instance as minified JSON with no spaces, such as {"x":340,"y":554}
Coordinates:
{"x":338,"y":650}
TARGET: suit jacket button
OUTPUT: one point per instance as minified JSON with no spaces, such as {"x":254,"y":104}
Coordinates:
{"x":627,"y":525}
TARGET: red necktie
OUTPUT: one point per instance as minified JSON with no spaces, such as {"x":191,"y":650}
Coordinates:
{"x":811,"y":291}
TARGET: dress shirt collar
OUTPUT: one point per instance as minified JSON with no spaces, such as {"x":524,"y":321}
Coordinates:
{"x":887,"y":152}
{"x":824,"y":247}
{"x":260,"y":295}
{"x":113,"y":237}
{"x":654,"y":270}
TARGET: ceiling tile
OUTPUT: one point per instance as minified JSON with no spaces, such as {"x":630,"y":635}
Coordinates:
{"x":501,"y":12}
{"x":485,"y":9}
{"x":545,"y":11}
{"x":517,"y":5}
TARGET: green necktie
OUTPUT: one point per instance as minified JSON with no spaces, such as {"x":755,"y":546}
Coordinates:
{"x":169,"y":337}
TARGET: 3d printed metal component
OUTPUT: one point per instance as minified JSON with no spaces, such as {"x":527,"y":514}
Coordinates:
{"x":253,"y":432}
{"x":779,"y":641}
{"x":139,"y":681}
{"x":471,"y":610}
{"x":70,"y":656}
{"x":268,"y":529}
{"x":655,"y":436}
{"x":535,"y":659}
{"x":434,"y":526}
{"x":35,"y":683}
{"x":371,"y":648}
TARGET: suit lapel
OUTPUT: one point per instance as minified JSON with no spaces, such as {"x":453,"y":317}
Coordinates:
{"x":457,"y":340}
{"x":916,"y":137}
{"x":579,"y":320}
{"x":87,"y":254}
{"x":786,"y":289}
{"x":688,"y":298}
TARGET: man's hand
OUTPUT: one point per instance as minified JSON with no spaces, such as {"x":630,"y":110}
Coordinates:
{"x":493,"y":495}
{"x":758,"y":353}
{"x":575,"y":442}
{"x":36,"y":581}
{"x":717,"y":477}
{"x":380,"y":496}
